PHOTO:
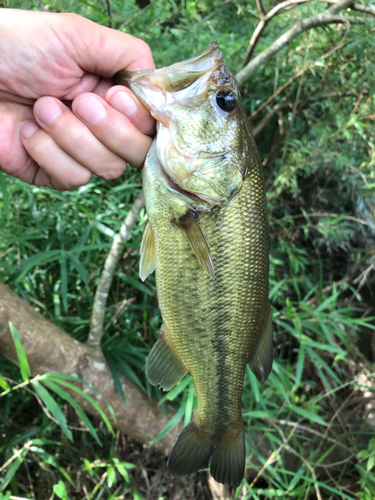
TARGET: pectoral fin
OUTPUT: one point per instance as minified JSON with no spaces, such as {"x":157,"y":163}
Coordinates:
{"x":260,"y":360}
{"x":190,"y":227}
{"x":147,"y":262}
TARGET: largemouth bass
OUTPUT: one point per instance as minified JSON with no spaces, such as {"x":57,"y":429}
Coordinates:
{"x":207,"y":239}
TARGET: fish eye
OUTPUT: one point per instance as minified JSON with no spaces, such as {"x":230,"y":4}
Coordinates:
{"x":225,"y":100}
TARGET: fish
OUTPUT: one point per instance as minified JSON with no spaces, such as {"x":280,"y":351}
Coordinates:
{"x":206,"y":238}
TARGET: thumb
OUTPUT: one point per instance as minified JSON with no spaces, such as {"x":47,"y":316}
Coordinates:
{"x":103,"y":51}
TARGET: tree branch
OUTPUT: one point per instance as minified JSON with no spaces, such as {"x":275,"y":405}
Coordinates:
{"x":50,"y":349}
{"x":282,"y":106}
{"x":261,"y":8}
{"x":327,"y":17}
{"x":264,"y":20}
{"x":100,"y":301}
{"x":361,"y":8}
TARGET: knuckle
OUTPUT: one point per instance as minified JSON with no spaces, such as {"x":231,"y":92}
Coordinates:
{"x":113,"y":172}
{"x":80,"y":179}
{"x":144,"y":50}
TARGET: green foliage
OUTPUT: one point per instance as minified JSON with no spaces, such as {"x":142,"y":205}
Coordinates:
{"x":304,"y":432}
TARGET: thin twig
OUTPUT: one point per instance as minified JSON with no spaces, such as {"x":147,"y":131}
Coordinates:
{"x":309,"y":466}
{"x":361,"y":8}
{"x":109,"y":13}
{"x":100,"y":301}
{"x":364,"y":276}
{"x":327,"y":17}
{"x":137,"y":14}
{"x":2,"y":255}
{"x":261,"y":8}
{"x":299,"y":73}
{"x":17,"y":454}
{"x":329,"y":214}
{"x":264,"y":20}
{"x":30,"y":480}
{"x":346,"y":279}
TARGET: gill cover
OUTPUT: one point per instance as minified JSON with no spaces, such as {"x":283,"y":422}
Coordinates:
{"x":200,"y":139}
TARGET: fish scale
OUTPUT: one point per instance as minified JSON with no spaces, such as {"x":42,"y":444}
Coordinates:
{"x":207,"y":239}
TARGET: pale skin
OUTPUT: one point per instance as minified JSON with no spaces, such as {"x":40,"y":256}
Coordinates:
{"x":61,"y":118}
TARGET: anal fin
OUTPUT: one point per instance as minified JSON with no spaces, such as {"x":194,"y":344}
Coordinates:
{"x":163,"y":367}
{"x":147,"y":262}
{"x":190,"y":227}
{"x":260,"y":361}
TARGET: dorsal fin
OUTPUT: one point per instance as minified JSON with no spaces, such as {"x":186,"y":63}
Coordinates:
{"x":260,"y":361}
{"x":190,"y":227}
{"x":147,"y":262}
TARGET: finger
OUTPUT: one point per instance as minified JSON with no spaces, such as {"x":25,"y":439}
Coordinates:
{"x":123,"y":99}
{"x":76,"y":139}
{"x":101,"y":50}
{"x":112,"y":128}
{"x":64,"y":172}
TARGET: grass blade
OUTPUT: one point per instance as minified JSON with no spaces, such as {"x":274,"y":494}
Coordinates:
{"x":21,"y":354}
{"x":52,"y":407}
{"x":82,"y":415}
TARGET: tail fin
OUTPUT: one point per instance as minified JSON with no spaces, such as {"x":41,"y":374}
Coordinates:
{"x":191,"y":452}
{"x":195,"y":447}
{"x":228,"y":460}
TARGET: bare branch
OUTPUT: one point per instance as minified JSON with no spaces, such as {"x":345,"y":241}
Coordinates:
{"x":327,"y":17}
{"x":100,"y":301}
{"x":264,"y":20}
{"x":272,"y":113}
{"x":50,"y":349}
{"x":261,"y":8}
{"x":361,"y":8}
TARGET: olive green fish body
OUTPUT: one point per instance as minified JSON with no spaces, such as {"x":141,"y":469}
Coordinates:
{"x":207,"y":239}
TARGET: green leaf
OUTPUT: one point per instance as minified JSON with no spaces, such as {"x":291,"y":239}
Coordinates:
{"x":370,"y":462}
{"x":4,"y":192}
{"x":177,"y":389}
{"x":170,"y":425}
{"x":300,"y":364}
{"x":82,"y":415}
{"x":308,"y":414}
{"x":60,"y":490}
{"x":52,"y":407}
{"x":12,"y":469}
{"x":189,"y":404}
{"x":38,"y":259}
{"x":4,"y":384}
{"x":21,"y":354}
{"x":64,"y":280}
{"x":79,"y":267}
{"x":111,"y":476}
{"x":79,"y":391}
{"x":116,"y":379}
{"x":254,"y":383}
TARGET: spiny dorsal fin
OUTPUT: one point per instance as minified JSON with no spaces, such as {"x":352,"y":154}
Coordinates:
{"x":260,"y":361}
{"x":190,"y":227}
{"x":147,"y":262}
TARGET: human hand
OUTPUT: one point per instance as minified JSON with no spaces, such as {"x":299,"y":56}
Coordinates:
{"x":46,"y":59}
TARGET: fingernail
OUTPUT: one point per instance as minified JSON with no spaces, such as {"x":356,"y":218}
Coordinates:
{"x":90,"y":109}
{"x":47,"y":110}
{"x":28,"y":129}
{"x":124,"y":103}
